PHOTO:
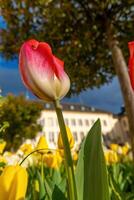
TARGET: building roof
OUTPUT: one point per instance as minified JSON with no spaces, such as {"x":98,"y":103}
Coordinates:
{"x":75,"y":107}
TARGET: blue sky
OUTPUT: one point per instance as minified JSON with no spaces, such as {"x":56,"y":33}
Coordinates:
{"x":108,"y":97}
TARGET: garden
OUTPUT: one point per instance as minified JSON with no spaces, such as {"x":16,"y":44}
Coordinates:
{"x":58,"y":55}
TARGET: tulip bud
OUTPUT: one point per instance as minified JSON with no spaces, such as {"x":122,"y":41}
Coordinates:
{"x":42,"y":72}
{"x":13,"y":183}
{"x":70,"y":139}
{"x":42,"y":144}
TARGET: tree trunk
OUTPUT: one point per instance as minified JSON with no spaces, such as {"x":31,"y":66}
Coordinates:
{"x":124,"y":80}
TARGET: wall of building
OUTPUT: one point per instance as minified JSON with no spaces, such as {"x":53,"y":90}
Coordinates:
{"x":79,"y":123}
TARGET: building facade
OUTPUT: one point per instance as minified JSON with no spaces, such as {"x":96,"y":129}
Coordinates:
{"x":80,"y":119}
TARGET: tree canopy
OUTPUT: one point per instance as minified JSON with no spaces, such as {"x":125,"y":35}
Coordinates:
{"x":21,"y":115}
{"x":76,"y":29}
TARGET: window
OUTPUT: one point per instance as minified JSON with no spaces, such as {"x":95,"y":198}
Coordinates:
{"x":87,"y":122}
{"x":81,"y":135}
{"x":51,"y":136}
{"x":92,"y":121}
{"x":73,"y":122}
{"x":92,"y":109}
{"x":72,"y":107}
{"x":105,"y":122}
{"x":80,"y":122}
{"x":42,"y":122}
{"x":47,"y":105}
{"x":82,"y":108}
{"x":75,"y":136}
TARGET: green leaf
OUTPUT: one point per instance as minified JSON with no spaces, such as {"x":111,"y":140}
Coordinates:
{"x":2,"y":164}
{"x":91,"y":172}
{"x":58,"y":194}
{"x":42,"y":191}
{"x":53,"y":190}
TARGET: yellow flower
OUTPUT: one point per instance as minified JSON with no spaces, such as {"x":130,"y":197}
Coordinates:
{"x":117,"y":148}
{"x":75,"y":156}
{"x":125,"y":149}
{"x":26,"y":148}
{"x":59,"y":158}
{"x":37,"y":188}
{"x":70,"y":139}
{"x":52,"y":160}
{"x":114,"y":147}
{"x":2,"y":159}
{"x":13,"y":183}
{"x":2,"y":146}
{"x":111,"y":157}
{"x":42,"y":144}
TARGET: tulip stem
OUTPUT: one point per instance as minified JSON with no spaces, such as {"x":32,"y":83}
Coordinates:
{"x":67,"y":153}
{"x":42,"y":168}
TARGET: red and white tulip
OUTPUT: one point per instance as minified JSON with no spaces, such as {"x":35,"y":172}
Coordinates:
{"x":131,"y":63}
{"x":42,"y":72}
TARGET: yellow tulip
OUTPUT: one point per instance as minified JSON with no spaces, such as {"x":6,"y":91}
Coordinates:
{"x":70,"y":139}
{"x":75,"y":156}
{"x":42,"y":144}
{"x":114,"y":147}
{"x":2,"y":159}
{"x":13,"y":183}
{"x":2,"y":146}
{"x":125,"y":149}
{"x":50,"y":160}
{"x":26,"y":148}
{"x":59,"y":158}
{"x":111,"y":157}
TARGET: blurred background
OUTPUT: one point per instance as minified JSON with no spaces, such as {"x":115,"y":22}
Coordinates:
{"x":82,"y":34}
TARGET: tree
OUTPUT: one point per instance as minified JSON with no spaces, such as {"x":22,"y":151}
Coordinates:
{"x":22,"y":116}
{"x":90,"y":36}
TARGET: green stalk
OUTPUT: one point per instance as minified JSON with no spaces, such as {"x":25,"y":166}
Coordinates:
{"x":67,"y":153}
{"x":42,"y":168}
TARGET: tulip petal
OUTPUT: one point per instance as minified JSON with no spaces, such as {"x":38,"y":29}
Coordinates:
{"x":13,"y":183}
{"x":70,"y":139}
{"x":19,"y":185}
{"x":42,"y":72}
{"x":131,"y":63}
{"x":6,"y":180}
{"x":42,"y":144}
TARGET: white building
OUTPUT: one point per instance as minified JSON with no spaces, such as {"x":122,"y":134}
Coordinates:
{"x":80,"y":119}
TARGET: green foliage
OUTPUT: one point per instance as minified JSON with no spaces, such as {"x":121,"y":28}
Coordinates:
{"x":3,"y":128}
{"x":53,"y":187}
{"x":21,"y":115}
{"x":121,"y":179}
{"x":91,"y":173}
{"x":120,"y":185}
{"x":77,"y":30}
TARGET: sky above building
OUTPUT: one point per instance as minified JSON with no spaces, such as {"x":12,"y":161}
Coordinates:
{"x":108,"y":97}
